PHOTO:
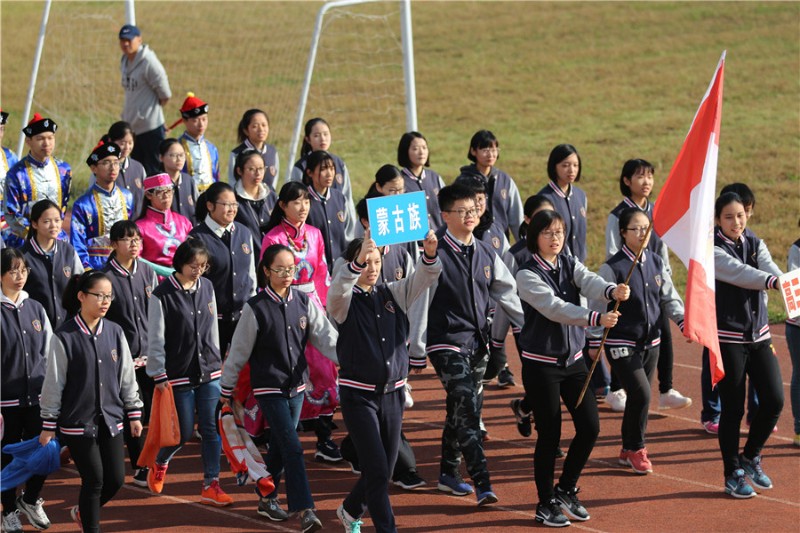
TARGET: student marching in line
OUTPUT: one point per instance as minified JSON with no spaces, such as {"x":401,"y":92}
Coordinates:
{"x":188,"y":359}
{"x":232,"y":268}
{"x":709,"y":416}
{"x":273,"y":335}
{"x":329,"y":212}
{"x":131,"y":172}
{"x":52,"y":261}
{"x":162,"y":229}
{"x":103,"y":204}
{"x":202,"y":157}
{"x":636,"y":185}
{"x":37,"y":176}
{"x":172,"y":157}
{"x":503,"y":200}
{"x":793,"y":342}
{"x":287,"y":226}
{"x":633,"y":346}
{"x":89,"y":391}
{"x":7,"y":160}
{"x":564,"y":171}
{"x":373,"y":358}
{"x":458,"y":337}
{"x":745,"y":346}
{"x":252,"y":132}
{"x":133,"y":282}
{"x":318,"y":137}
{"x":551,"y":344}
{"x":256,"y":199}
{"x":26,"y":343}
{"x":414,"y":160}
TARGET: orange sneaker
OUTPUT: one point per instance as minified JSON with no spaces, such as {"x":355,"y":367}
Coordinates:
{"x":637,"y":460}
{"x":214,"y":495}
{"x":156,"y":477}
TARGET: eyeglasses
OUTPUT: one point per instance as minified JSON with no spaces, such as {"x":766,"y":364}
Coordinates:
{"x":201,"y":269}
{"x":639,"y":230}
{"x":109,"y":164}
{"x":489,"y":151}
{"x":401,"y":190}
{"x":552,"y":235}
{"x":176,"y":157}
{"x":256,"y":170}
{"x":162,"y":192}
{"x":101,"y":297}
{"x":284,"y":272}
{"x":464,"y":213}
{"x":130,"y":241}
{"x":19,"y":272}
{"x":227,"y":205}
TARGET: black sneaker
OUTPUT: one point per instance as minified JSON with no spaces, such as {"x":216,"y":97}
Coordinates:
{"x":549,"y":514}
{"x":570,"y":504}
{"x":140,"y":477}
{"x":328,"y":451}
{"x":409,"y":481}
{"x":505,"y":378}
{"x":560,"y":453}
{"x":523,"y":419}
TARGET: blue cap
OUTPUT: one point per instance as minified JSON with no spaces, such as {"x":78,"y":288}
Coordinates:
{"x":129,"y":31}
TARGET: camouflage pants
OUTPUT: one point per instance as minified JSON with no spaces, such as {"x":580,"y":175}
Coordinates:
{"x":461,"y":375}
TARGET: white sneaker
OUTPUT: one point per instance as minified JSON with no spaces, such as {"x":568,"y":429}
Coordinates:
{"x":409,"y":399}
{"x":673,"y":399}
{"x":351,"y":525}
{"x":616,"y":400}
{"x":35,"y":513}
{"x":11,"y":522}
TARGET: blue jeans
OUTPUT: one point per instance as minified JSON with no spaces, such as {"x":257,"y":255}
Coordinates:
{"x":285,"y":450}
{"x":793,"y":340}
{"x":203,"y":398}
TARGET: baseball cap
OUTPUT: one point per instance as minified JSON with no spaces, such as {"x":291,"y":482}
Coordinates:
{"x":129,"y":31}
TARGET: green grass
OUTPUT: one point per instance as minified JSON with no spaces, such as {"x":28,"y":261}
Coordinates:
{"x":617,"y":80}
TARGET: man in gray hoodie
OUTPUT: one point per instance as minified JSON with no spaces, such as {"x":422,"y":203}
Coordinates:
{"x":146,"y":91}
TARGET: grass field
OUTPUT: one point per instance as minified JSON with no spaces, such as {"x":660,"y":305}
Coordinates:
{"x":617,"y":80}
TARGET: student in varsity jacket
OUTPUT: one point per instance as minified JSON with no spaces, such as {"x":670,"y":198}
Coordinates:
{"x":551,"y":345}
{"x":89,"y":390}
{"x":745,"y":346}
{"x":188,"y":359}
{"x":133,"y":282}
{"x":256,"y":198}
{"x":458,"y":337}
{"x":232,"y":268}
{"x":26,"y":343}
{"x":633,"y":346}
{"x":275,"y":327}
{"x":414,"y":161}
{"x":373,"y":359}
{"x":252,"y":133}
{"x":328,"y":211}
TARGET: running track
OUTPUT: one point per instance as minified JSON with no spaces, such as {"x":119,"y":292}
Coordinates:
{"x":683,"y":494}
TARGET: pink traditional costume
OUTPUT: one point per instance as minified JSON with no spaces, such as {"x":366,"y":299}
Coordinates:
{"x":162,"y":231}
{"x":307,"y":245}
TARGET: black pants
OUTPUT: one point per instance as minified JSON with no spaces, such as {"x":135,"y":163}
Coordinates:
{"x":145,"y":149}
{"x":21,"y":423}
{"x":134,"y":444}
{"x":635,"y":373}
{"x":101,"y":465}
{"x":226,"y":329}
{"x":666,"y":356}
{"x":374,"y":421}
{"x":461,"y":375}
{"x":759,"y":362}
{"x":545,"y":386}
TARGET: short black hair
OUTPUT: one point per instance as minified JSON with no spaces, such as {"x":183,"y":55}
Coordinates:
{"x":540,"y":222}
{"x":482,"y":139}
{"x":405,"y":145}
{"x":9,"y":257}
{"x":630,"y":168}
{"x":744,"y":192}
{"x":557,"y":155}
{"x":452,"y":193}
{"x":725,"y":199}
{"x":187,"y":251}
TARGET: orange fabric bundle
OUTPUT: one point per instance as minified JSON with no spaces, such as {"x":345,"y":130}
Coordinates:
{"x":164,"y":429}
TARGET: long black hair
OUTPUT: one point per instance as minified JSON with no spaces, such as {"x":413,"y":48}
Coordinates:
{"x":267,"y":258}
{"x":80,"y":283}
{"x":289,"y":192}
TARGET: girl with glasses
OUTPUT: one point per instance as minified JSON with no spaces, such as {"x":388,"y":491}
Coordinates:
{"x":173,"y":157}
{"x":133,"y":281}
{"x":255,"y":196}
{"x":188,"y":360}
{"x":90,"y":393}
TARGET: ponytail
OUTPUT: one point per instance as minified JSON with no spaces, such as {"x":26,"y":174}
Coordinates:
{"x":80,"y":283}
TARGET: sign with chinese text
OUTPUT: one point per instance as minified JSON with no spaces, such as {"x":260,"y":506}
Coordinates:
{"x":398,"y":218}
{"x":790,"y":289}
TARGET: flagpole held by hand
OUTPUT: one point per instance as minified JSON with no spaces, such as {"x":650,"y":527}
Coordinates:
{"x":616,"y":307}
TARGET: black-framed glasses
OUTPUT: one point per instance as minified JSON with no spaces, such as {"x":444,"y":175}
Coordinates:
{"x":464,"y":213}
{"x":228,"y":205}
{"x":284,"y":272}
{"x":101,"y":297}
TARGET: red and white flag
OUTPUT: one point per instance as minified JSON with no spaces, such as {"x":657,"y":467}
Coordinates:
{"x":684,"y":219}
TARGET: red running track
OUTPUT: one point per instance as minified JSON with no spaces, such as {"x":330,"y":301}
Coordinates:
{"x":683,"y":494}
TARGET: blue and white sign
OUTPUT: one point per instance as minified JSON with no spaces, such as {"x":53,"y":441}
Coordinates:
{"x":398,"y":218}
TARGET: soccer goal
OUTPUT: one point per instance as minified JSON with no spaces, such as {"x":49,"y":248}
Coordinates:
{"x":350,"y":62}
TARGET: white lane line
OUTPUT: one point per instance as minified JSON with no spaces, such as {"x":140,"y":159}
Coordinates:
{"x":694,"y":367}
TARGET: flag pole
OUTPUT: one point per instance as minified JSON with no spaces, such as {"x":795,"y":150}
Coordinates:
{"x":616,"y":306}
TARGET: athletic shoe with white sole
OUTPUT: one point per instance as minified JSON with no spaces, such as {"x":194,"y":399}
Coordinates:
{"x":570,"y":504}
{"x":549,"y":514}
{"x":351,"y":525}
{"x":455,"y":485}
{"x":673,"y":399}
{"x":637,"y":460}
{"x":271,"y":508}
{"x":752,"y":469}
{"x":11,"y":522}
{"x":34,"y":512}
{"x":616,"y":400}
{"x":737,"y":486}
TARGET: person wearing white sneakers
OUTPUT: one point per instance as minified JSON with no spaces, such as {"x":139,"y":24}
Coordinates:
{"x":632,"y":347}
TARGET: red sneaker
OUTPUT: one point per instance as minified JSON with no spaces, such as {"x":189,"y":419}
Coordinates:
{"x":156,"y":477}
{"x":637,"y":460}
{"x":214,"y":495}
